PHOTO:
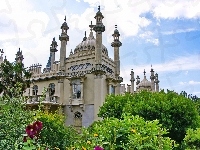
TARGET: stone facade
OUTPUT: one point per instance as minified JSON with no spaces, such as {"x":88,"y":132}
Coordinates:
{"x":80,"y":82}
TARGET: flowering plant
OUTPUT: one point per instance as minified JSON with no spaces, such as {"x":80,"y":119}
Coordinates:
{"x":31,"y":138}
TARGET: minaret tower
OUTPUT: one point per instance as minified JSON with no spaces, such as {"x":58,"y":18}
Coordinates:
{"x":116,"y":44}
{"x":63,"y":38}
{"x":19,"y":56}
{"x":132,"y":81}
{"x":98,"y":28}
{"x":53,"y":49}
{"x":157,"y":82}
{"x":137,"y":81}
{"x":1,"y":56}
{"x":152,"y":77}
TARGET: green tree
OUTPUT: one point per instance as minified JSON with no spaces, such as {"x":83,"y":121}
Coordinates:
{"x":11,"y":74}
{"x":175,"y":112}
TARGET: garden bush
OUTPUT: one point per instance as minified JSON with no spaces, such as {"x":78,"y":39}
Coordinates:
{"x":54,"y":132}
{"x":175,"y":112}
{"x":192,"y":139}
{"x":130,"y":132}
{"x":13,"y":118}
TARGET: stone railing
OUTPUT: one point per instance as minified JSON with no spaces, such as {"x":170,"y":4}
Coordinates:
{"x":34,"y":100}
{"x":75,"y":101}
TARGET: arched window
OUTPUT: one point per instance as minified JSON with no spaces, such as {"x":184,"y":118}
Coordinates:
{"x":35,"y":90}
{"x":51,"y":89}
{"x":76,"y":89}
{"x":77,"y":119}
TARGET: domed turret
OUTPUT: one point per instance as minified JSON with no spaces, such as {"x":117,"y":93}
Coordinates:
{"x":89,"y":44}
{"x":144,"y":84}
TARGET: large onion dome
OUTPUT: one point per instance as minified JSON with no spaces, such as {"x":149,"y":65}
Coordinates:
{"x":89,"y":44}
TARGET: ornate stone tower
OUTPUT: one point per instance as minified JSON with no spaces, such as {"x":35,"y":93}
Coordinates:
{"x":53,"y":49}
{"x":19,"y":56}
{"x":152,"y":77}
{"x":1,"y":56}
{"x":63,"y":38}
{"x":98,"y":28}
{"x":99,"y":79}
{"x":157,"y":82}
{"x":116,"y":44}
{"x":132,"y":81}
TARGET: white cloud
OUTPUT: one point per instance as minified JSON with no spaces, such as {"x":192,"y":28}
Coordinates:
{"x":179,"y":64}
{"x":176,"y":9}
{"x":179,"y":31}
{"x":193,"y":82}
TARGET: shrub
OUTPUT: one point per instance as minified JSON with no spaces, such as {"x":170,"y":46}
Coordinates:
{"x":174,"y":112}
{"x":54,"y":132}
{"x":130,"y":132}
{"x":13,"y":119}
{"x":192,"y":139}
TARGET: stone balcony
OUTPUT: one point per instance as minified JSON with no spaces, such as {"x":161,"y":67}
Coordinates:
{"x":35,"y":100}
{"x":76,"y":102}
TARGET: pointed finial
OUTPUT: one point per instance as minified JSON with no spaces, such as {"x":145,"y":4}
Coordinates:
{"x":99,"y":8}
{"x":91,"y":26}
{"x":65,"y":18}
{"x":85,"y":33}
{"x":19,"y":49}
{"x":54,"y":39}
{"x":2,"y":51}
{"x":115,"y":26}
{"x":144,"y":72}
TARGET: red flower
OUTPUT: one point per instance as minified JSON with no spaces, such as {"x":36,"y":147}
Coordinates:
{"x":98,"y":148}
{"x":33,"y":130}
{"x":30,"y":131}
{"x":37,"y":126}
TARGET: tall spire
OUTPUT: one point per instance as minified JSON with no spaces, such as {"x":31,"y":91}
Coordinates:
{"x":63,"y":38}
{"x":116,"y":44}
{"x":98,"y":28}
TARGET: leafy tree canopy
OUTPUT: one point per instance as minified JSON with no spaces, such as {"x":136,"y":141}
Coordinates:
{"x":175,"y":112}
{"x":12,"y":73}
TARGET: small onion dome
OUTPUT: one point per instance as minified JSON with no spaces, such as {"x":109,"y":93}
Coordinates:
{"x":145,"y":83}
{"x":64,"y":25}
{"x":99,"y":13}
{"x":116,"y":31}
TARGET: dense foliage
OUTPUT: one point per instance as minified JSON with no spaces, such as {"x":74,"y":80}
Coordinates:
{"x":13,"y":118}
{"x":54,"y":132}
{"x":192,"y":139}
{"x":174,"y":112}
{"x":12,"y":73}
{"x":130,"y":132}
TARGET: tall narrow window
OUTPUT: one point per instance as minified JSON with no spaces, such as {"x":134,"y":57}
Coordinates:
{"x":51,"y":89}
{"x":112,"y":89}
{"x":76,"y":89}
{"x":35,"y":90}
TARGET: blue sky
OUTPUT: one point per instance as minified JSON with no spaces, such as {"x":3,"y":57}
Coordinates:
{"x":163,"y":33}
